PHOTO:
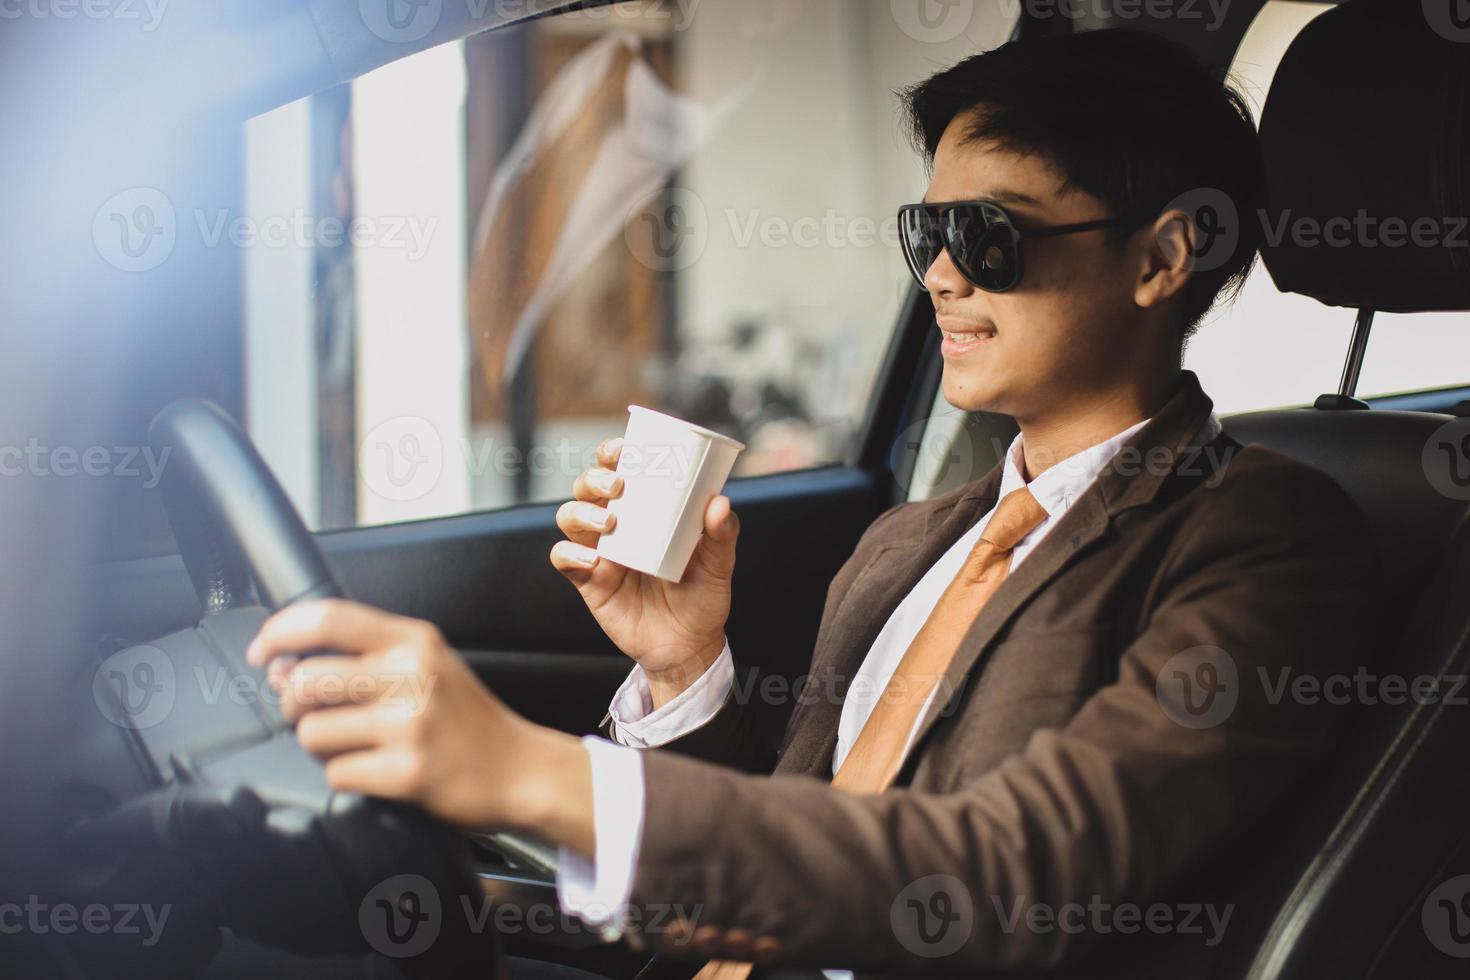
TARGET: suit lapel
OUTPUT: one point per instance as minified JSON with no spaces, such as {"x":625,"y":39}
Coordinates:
{"x":1124,"y":483}
{"x":1082,"y":524}
{"x":889,"y":576}
{"x":897,"y":566}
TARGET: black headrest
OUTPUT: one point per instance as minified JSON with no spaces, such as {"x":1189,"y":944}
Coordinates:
{"x":1367,"y":126}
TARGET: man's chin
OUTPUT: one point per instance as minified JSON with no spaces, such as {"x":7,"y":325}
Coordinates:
{"x":972,"y":394}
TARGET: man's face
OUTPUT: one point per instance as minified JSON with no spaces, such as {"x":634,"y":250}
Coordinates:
{"x":1064,"y":331}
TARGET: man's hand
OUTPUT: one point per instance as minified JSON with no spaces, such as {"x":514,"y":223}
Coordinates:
{"x":674,"y":630}
{"x":395,"y":713}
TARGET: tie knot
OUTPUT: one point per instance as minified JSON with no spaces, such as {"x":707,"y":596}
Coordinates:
{"x":1017,"y":515}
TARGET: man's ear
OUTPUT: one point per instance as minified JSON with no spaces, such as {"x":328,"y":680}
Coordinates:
{"x":1168,"y":258}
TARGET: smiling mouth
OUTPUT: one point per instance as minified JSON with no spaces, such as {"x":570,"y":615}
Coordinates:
{"x":957,"y":337}
{"x":961,"y":334}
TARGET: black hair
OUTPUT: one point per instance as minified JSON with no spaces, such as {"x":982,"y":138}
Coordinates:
{"x":1130,"y":118}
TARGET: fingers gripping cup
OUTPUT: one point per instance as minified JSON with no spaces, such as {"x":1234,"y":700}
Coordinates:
{"x":671,"y":470}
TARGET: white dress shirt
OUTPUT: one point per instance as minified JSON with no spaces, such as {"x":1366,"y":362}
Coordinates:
{"x":598,"y":892}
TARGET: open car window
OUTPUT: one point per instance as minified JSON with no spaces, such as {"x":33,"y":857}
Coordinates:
{"x":480,"y":255}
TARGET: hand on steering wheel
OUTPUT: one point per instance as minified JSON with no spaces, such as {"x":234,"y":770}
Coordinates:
{"x":395,"y":713}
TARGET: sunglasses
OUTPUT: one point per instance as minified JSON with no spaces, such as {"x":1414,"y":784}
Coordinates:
{"x":982,"y":239}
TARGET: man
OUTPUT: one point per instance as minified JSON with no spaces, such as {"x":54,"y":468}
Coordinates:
{"x":1032,"y":698}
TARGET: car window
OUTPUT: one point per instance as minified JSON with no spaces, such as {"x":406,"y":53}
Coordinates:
{"x":1271,"y":349}
{"x":483,"y":253}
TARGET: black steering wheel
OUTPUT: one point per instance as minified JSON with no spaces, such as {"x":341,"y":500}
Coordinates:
{"x":227,"y":810}
{"x":231,"y":519}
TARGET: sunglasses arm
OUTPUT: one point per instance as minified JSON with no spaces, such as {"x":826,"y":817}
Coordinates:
{"x":1055,"y":230}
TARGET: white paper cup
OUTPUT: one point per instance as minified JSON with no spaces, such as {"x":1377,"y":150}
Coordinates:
{"x":671,"y":470}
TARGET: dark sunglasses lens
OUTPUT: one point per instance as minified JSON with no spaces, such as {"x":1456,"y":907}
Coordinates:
{"x":922,"y":239}
{"x":984,"y":246}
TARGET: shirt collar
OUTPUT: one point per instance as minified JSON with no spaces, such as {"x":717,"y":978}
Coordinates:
{"x":1061,"y":484}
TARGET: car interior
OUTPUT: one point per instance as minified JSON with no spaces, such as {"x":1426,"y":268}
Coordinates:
{"x":213,"y":809}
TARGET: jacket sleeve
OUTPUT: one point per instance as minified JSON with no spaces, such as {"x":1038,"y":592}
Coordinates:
{"x":1111,"y":808}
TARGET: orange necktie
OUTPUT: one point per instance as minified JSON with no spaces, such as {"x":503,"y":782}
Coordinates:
{"x":878,"y":753}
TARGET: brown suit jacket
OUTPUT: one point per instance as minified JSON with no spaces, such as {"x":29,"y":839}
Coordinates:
{"x":1113,"y":717}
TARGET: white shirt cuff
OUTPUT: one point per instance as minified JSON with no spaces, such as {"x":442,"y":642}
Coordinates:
{"x":635,"y":723}
{"x":597,"y":890}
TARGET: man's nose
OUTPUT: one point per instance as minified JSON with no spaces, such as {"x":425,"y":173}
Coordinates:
{"x":944,"y":280}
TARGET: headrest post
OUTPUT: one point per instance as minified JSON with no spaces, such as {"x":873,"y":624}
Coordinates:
{"x":1357,"y":349}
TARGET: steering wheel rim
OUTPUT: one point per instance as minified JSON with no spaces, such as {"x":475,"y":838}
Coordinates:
{"x":230,"y":516}
{"x":235,"y":526}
